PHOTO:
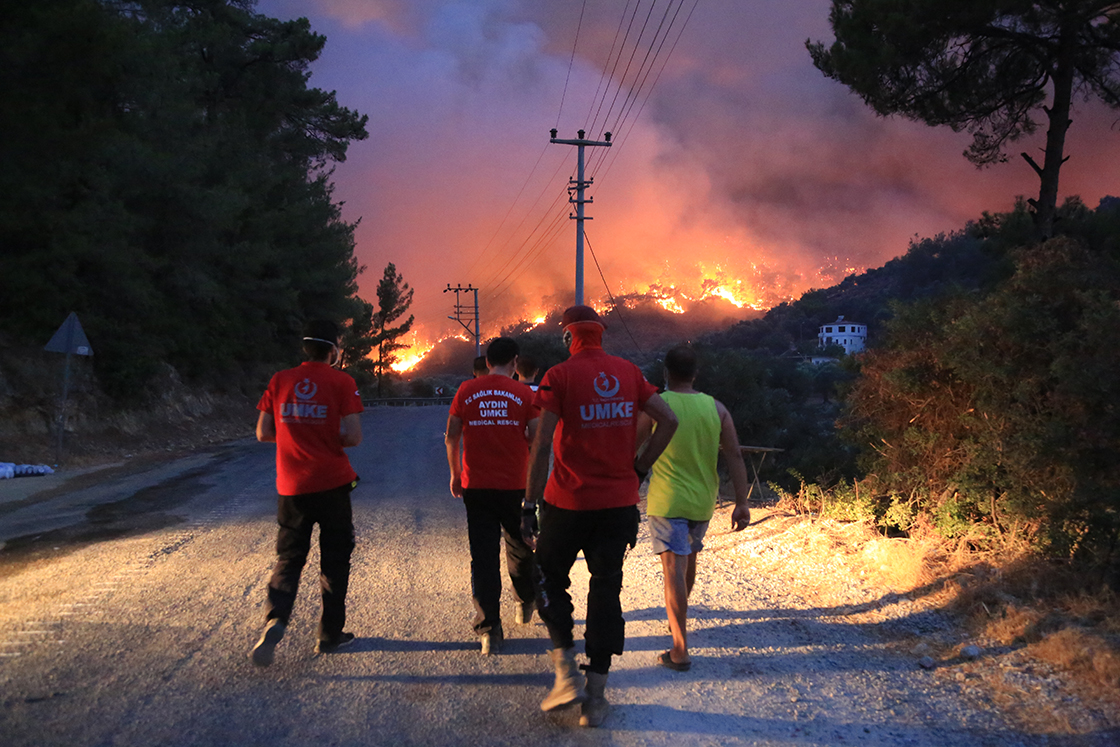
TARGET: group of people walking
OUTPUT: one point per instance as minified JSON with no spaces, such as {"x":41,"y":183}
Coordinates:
{"x":605,"y":428}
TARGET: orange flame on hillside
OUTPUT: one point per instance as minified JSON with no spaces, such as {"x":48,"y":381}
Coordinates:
{"x":412,"y":356}
{"x":677,"y":295}
{"x":415,"y":352}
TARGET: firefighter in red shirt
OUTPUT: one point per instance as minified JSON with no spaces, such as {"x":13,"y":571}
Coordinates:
{"x":312,"y":413}
{"x":494,"y":417}
{"x":589,"y":407}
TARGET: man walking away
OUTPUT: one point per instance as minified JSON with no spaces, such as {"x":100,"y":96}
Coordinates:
{"x":479,"y":367}
{"x":527,"y":370}
{"x":684,"y":486}
{"x":495,"y":417}
{"x":589,"y":404}
{"x":312,"y":413}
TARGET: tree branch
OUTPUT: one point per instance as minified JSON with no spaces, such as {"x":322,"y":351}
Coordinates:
{"x":1026,"y":156}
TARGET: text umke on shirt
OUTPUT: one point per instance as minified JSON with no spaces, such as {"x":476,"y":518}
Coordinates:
{"x":494,"y":409}
{"x":612,"y":411}
{"x":304,"y":408}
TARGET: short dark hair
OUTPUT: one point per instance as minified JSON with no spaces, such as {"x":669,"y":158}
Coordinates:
{"x":680,"y":362}
{"x":480,"y":365}
{"x":501,"y":351}
{"x":319,"y":337}
{"x":527,"y":367}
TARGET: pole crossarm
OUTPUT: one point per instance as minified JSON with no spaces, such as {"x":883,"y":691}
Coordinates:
{"x":464,"y":311}
{"x":558,"y":141}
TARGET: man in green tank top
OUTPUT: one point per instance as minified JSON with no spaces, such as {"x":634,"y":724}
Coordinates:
{"x":683,"y":488}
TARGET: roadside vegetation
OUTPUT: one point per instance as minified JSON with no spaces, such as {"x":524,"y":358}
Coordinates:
{"x":976,"y":437}
{"x":167,"y":171}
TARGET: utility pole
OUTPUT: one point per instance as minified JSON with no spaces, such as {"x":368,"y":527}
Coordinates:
{"x":579,"y":185}
{"x":463,"y":311}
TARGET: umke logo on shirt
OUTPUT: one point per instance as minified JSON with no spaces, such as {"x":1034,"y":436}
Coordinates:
{"x":305,"y":409}
{"x":606,"y":414}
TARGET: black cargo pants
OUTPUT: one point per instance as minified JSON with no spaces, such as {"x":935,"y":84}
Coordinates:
{"x":297,"y":516}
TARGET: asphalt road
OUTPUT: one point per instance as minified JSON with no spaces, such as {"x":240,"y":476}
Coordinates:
{"x":130,"y":598}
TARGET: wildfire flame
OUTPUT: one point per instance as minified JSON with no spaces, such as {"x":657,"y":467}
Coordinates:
{"x":412,"y":356}
{"x":416,"y":351}
{"x":670,"y":304}
{"x":675,"y":295}
{"x":677,"y":300}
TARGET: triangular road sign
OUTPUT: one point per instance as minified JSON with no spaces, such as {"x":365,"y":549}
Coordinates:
{"x":70,"y":338}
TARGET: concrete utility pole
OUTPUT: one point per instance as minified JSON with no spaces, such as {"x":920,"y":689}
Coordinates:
{"x":462,"y":310}
{"x":579,"y":186}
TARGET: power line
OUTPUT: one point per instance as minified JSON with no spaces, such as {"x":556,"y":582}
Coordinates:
{"x":555,"y":201}
{"x":482,"y":252}
{"x":617,"y":307}
{"x":654,"y":49}
{"x":616,"y":61}
{"x":570,"y":62}
{"x":526,"y":261}
{"x":643,"y":70}
{"x":603,"y":72}
{"x":528,"y":244}
{"x":630,"y":61}
{"x":498,"y":276}
{"x":622,"y":123}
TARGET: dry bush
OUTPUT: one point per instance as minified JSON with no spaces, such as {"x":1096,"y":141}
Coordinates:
{"x":899,"y":564}
{"x":1091,"y":657}
{"x":1013,"y":624}
{"x":989,"y":584}
{"x":1059,"y":613}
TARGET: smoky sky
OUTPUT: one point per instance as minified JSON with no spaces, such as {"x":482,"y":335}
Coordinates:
{"x":741,"y":162}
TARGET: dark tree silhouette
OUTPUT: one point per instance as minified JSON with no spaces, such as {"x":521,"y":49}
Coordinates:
{"x":985,"y":66}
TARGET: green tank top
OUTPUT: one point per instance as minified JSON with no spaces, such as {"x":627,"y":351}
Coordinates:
{"x":684,"y":483}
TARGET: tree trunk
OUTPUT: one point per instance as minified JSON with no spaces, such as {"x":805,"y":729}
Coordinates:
{"x":380,"y":368}
{"x":1058,"y":115}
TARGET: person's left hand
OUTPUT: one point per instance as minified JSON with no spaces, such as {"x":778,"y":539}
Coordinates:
{"x":740,"y":518}
{"x":529,"y":528}
{"x":457,"y":486}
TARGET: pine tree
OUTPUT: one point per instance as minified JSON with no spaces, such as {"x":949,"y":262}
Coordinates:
{"x":394,"y":296}
{"x":358,"y":342}
{"x":985,"y":66}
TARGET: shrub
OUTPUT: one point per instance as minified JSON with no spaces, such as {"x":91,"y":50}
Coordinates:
{"x":1001,"y":410}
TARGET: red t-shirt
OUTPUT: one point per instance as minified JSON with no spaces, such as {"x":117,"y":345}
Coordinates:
{"x":597,"y":397}
{"x":307,"y":404}
{"x":495,"y":410}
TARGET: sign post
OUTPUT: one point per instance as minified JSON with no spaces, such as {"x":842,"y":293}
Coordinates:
{"x":70,"y":339}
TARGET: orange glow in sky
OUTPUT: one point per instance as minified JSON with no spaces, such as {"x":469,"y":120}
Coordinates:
{"x":741,"y":175}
